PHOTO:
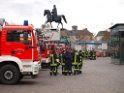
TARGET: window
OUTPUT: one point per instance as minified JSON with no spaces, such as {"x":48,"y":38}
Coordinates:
{"x":122,"y":39}
{"x":19,"y":36}
{"x":13,"y":36}
{"x":115,"y":46}
{"x":122,"y":34}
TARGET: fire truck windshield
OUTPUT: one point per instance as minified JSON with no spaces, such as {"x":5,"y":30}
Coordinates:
{"x":19,"y":36}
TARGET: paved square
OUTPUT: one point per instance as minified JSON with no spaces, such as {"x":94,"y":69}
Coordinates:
{"x":99,"y":76}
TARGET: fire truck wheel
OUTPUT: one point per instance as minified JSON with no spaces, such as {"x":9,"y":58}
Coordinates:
{"x":9,"y":74}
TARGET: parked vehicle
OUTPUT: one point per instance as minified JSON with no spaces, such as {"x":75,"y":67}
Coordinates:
{"x":99,"y":53}
{"x":48,"y":39}
{"x":44,"y":51}
{"x":18,"y":52}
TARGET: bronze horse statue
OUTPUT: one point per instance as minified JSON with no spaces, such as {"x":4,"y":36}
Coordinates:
{"x":51,"y":18}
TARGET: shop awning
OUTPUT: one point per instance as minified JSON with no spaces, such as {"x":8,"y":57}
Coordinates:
{"x":89,"y":43}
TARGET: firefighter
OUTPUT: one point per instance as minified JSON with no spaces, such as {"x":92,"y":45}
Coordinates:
{"x":68,"y":62}
{"x":80,"y":61}
{"x":94,"y":55}
{"x":62,"y":61}
{"x":85,"y":54}
{"x":75,"y":62}
{"x":88,"y":54}
{"x":91,"y":55}
{"x":53,"y":64}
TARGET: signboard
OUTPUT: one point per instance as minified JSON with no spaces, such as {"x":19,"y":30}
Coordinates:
{"x":51,"y":34}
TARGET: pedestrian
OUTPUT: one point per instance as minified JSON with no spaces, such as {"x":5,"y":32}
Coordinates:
{"x":75,"y":63}
{"x":68,"y":62}
{"x":53,"y":63}
{"x":80,"y":62}
{"x":62,"y":60}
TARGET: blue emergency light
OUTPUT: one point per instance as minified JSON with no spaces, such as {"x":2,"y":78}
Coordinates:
{"x":26,"y":22}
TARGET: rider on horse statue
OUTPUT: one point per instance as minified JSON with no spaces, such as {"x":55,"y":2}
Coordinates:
{"x":53,"y":16}
{"x":54,"y":12}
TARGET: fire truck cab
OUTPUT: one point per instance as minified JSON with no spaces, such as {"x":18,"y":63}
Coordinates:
{"x":18,"y":52}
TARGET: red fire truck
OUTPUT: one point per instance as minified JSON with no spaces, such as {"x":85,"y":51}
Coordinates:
{"x":18,"y":52}
{"x":48,"y":38}
{"x":44,"y":55}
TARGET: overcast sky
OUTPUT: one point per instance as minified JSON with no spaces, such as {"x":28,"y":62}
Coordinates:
{"x":96,"y":15}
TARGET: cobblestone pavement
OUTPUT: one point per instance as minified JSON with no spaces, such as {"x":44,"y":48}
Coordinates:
{"x":99,"y":76}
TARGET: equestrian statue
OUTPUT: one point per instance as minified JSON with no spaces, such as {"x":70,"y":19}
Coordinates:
{"x":53,"y":16}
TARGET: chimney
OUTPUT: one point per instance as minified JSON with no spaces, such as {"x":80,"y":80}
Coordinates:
{"x":74,"y":27}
